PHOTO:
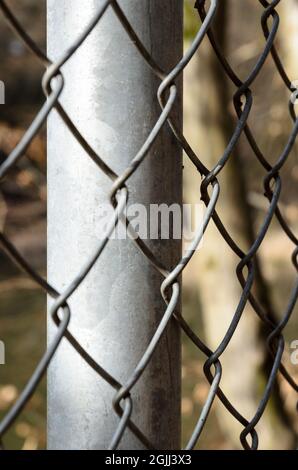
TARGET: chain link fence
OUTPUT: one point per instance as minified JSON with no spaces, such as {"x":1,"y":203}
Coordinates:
{"x":53,"y":85}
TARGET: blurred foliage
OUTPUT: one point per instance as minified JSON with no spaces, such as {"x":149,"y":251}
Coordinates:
{"x":191,"y":20}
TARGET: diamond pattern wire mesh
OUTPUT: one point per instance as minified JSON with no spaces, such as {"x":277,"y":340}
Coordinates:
{"x":53,"y":85}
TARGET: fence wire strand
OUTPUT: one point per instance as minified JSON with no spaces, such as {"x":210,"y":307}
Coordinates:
{"x":53,"y":84}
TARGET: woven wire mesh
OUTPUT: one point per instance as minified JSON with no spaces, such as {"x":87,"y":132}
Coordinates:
{"x":53,"y":85}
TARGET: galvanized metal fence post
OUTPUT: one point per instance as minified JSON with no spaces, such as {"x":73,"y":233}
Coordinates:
{"x":110,"y":93}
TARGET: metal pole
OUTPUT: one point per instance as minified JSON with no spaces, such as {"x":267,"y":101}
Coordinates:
{"x":110,"y":93}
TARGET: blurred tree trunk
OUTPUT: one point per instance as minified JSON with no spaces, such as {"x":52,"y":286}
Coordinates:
{"x":209,"y":127}
{"x":289,"y":36}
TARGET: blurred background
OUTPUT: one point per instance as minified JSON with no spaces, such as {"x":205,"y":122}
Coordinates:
{"x":211,"y":289}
